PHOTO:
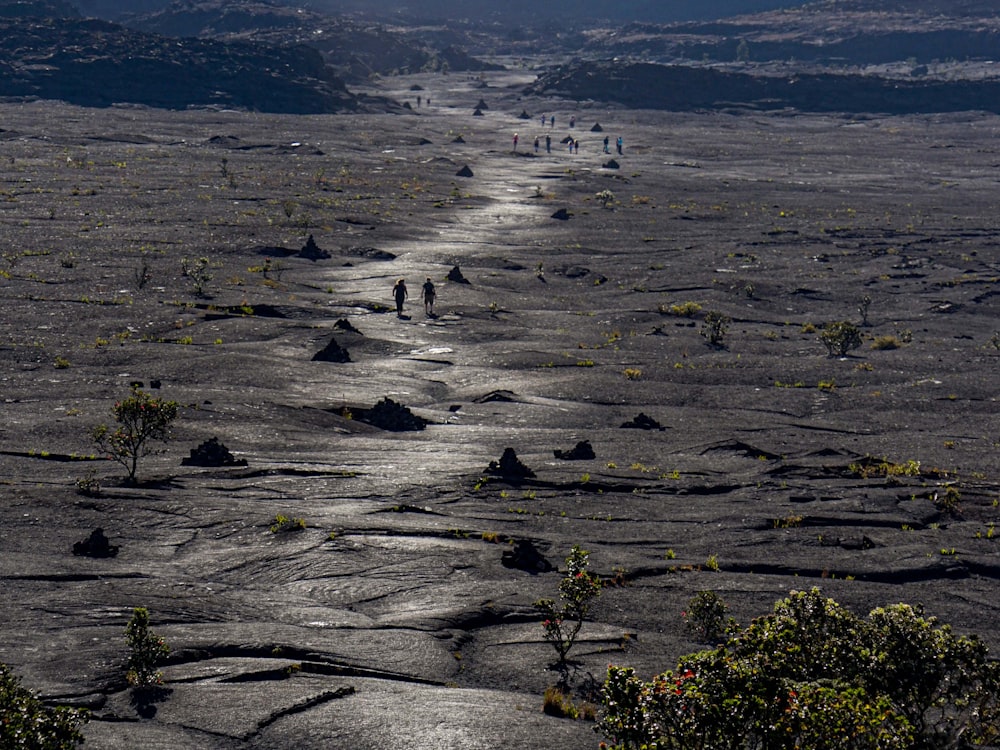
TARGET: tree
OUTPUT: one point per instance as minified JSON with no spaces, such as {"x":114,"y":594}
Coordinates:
{"x":28,"y":724}
{"x":577,"y":590}
{"x":141,"y":419}
{"x":146,"y":651}
{"x":840,"y":337}
{"x":814,"y":675}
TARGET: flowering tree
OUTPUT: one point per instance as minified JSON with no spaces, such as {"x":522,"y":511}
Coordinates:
{"x":28,"y":724}
{"x":814,"y":675}
{"x":146,"y":651}
{"x":576,"y":592}
{"x":141,"y":419}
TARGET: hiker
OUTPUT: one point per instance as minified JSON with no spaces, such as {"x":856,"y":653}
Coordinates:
{"x":536,"y":144}
{"x":429,"y":293}
{"x":515,"y":141}
{"x":543,"y":121}
{"x":548,"y":144}
{"x":399,"y":292}
{"x":606,"y":141}
{"x":418,"y":100}
{"x":576,"y":145}
{"x":552,"y":120}
{"x":572,"y":121}
{"x":618,"y":143}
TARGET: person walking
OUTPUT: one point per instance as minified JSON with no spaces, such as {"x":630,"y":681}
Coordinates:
{"x":606,"y":141}
{"x":536,"y":144}
{"x":428,"y":293}
{"x":515,"y":142}
{"x":548,"y":144}
{"x":400,"y":293}
{"x":618,"y":144}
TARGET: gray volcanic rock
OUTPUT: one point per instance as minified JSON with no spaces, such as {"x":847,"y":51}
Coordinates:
{"x":686,"y":88}
{"x":97,"y":64}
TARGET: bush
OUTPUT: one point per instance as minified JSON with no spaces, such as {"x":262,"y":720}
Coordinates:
{"x":146,"y":651}
{"x":577,"y":590}
{"x":814,"y":675}
{"x":28,"y":724}
{"x":715,"y":326}
{"x":705,"y":617}
{"x":141,"y":418}
{"x":840,"y":337}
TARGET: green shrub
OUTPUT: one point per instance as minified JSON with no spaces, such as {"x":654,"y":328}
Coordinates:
{"x":28,"y":724}
{"x":284,"y":523}
{"x":814,"y":675}
{"x":705,"y":617}
{"x":840,"y":337}
{"x":141,"y":418}
{"x":715,"y":326}
{"x":577,"y":590}
{"x":146,"y":651}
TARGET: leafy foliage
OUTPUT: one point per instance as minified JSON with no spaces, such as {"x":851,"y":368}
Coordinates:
{"x":814,"y":675}
{"x":840,"y":337}
{"x":28,"y":724}
{"x":141,"y":419}
{"x":146,"y":651}
{"x":705,"y":616}
{"x":577,"y":590}
{"x":715,"y":326}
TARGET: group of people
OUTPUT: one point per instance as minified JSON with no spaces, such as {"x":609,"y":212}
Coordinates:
{"x":428,"y":293}
{"x":573,"y":143}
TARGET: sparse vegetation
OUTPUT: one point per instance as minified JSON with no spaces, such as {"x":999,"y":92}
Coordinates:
{"x":714,"y":328}
{"x":146,"y":651}
{"x":141,"y":419}
{"x":26,"y":723}
{"x":840,"y":338}
{"x":577,"y":590}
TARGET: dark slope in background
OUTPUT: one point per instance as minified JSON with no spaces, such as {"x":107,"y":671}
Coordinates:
{"x":509,"y":13}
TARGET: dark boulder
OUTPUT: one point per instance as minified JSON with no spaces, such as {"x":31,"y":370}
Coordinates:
{"x":345,"y":325}
{"x":562,"y":214}
{"x":96,"y":545}
{"x":332,"y":352}
{"x":611,"y":164}
{"x":464,"y":172}
{"x":212,"y":453}
{"x":597,"y":128}
{"x":523,"y":555}
{"x":509,"y":466}
{"x":455,"y":274}
{"x":582,"y":451}
{"x":392,"y":416}
{"x":312,"y":251}
{"x":642,"y":422}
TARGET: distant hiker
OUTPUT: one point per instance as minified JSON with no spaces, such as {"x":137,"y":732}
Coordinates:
{"x":515,"y":141}
{"x":429,"y":293}
{"x":536,"y":144}
{"x":618,"y":144}
{"x":576,"y":145}
{"x":399,"y":292}
{"x":606,"y":141}
{"x":572,"y":122}
{"x":543,"y":121}
{"x":418,"y":100}
{"x":552,"y":121}
{"x":548,"y":144}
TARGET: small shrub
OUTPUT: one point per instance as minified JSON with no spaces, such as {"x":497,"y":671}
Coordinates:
{"x":885,"y":342}
{"x":197,"y":271}
{"x":61,"y":363}
{"x":141,"y":419}
{"x":705,"y":617}
{"x":577,"y":590}
{"x":606,"y":198}
{"x":556,"y":703}
{"x":632,"y":373}
{"x":840,"y":337}
{"x":146,"y":651}
{"x":715,"y":326}
{"x":681,"y":309}
{"x":284,"y":523}
{"x":28,"y":724}
{"x":863,"y":306}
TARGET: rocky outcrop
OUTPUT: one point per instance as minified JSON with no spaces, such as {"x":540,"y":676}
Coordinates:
{"x":687,"y":88}
{"x":98,"y":64}
{"x":212,"y":453}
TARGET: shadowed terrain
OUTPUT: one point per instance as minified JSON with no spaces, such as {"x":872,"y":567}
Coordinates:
{"x":749,"y":466}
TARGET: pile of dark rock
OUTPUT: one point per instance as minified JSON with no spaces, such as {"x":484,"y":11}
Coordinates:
{"x":392,"y":416}
{"x":212,"y":453}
